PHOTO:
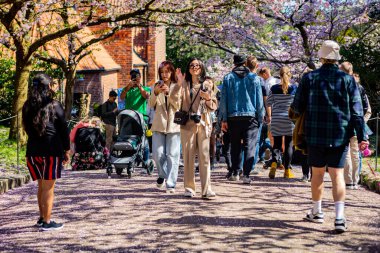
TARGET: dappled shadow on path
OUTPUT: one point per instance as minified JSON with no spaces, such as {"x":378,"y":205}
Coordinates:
{"x":132,"y":215}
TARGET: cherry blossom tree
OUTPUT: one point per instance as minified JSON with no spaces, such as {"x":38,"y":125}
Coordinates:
{"x":26,"y":26}
{"x":287,"y":32}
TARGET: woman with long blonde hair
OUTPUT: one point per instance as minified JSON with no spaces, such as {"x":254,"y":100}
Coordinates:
{"x":279,"y":100}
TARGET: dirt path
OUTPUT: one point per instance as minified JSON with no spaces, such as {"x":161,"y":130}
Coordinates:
{"x":131,"y":215}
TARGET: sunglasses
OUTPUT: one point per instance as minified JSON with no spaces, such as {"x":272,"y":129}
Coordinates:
{"x":195,"y":66}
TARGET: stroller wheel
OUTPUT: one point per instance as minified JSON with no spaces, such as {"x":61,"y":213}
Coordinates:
{"x":119,"y":171}
{"x":130,"y":170}
{"x":109,"y":170}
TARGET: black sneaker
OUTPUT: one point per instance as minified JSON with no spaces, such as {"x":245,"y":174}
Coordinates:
{"x":340,"y":225}
{"x":317,"y":218}
{"x":51,"y":226}
{"x":160,"y":182}
{"x":40,"y":222}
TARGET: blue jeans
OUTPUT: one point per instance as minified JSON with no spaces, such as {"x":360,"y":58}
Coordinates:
{"x":166,"y":152}
{"x":256,"y":158}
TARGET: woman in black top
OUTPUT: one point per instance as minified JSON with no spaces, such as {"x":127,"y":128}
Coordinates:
{"x":48,"y":146}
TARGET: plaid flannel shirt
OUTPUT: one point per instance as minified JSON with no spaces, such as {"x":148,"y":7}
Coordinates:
{"x":331,"y":101}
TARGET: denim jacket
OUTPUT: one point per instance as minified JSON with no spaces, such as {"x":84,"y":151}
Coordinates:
{"x":241,"y":95}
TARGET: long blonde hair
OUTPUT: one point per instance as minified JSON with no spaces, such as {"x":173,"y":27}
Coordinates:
{"x":285,"y":76}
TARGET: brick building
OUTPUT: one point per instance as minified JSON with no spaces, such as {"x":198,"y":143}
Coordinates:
{"x":109,"y":65}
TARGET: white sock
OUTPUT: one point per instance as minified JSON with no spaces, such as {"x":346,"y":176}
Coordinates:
{"x":317,"y":206}
{"x":339,"y":210}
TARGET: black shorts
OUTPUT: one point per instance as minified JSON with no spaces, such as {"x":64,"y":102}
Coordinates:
{"x":334,"y":157}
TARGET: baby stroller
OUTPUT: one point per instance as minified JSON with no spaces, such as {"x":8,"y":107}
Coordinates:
{"x":128,"y":150}
{"x":90,"y":151}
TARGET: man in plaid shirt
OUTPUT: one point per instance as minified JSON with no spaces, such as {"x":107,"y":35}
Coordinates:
{"x":332,"y":105}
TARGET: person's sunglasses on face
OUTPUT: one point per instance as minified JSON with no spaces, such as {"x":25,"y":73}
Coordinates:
{"x":195,"y":66}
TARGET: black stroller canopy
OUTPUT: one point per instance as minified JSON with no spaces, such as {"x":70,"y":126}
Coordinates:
{"x":131,"y":123}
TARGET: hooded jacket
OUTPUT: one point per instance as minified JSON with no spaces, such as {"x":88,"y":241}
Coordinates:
{"x":241,"y":95}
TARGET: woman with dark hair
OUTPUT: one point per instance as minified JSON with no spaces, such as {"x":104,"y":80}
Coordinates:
{"x":166,"y":134}
{"x":197,"y":98}
{"x":48,"y":146}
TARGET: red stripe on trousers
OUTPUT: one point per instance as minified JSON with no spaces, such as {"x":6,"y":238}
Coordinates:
{"x":51,"y":168}
{"x":31,"y":168}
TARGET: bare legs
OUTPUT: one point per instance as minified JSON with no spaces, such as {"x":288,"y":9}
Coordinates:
{"x":45,"y":198}
{"x":338,"y":183}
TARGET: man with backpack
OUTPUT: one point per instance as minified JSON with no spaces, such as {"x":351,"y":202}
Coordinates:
{"x":108,"y":114}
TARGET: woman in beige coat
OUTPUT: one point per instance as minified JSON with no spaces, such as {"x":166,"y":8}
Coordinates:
{"x":195,"y":135}
{"x":166,"y":134}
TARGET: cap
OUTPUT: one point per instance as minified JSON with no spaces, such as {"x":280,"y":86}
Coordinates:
{"x":137,"y":71}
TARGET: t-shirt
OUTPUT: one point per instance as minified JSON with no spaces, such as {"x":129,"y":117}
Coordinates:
{"x":135,"y":101}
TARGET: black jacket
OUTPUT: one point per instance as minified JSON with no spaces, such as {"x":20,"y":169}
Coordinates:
{"x":56,"y":138}
{"x":108,"y":116}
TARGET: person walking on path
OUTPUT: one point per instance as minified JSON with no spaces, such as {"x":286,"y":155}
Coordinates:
{"x":48,"y":146}
{"x":332,"y":105}
{"x":109,"y":113}
{"x":261,"y":145}
{"x":279,"y":100}
{"x":166,"y":134}
{"x":352,"y":164}
{"x":197,"y":98}
{"x":136,"y":96}
{"x":242,"y":112}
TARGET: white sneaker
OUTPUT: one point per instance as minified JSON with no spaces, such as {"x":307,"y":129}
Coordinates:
{"x":317,"y":218}
{"x":246,"y":180}
{"x":340,"y":225}
{"x":189,"y":194}
{"x":305,"y":178}
{"x":170,"y":190}
{"x":233,"y":178}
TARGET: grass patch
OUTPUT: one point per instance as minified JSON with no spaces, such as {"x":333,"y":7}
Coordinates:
{"x":8,"y":153}
{"x":371,"y":161}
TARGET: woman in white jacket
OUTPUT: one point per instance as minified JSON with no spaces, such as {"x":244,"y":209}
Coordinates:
{"x":166,"y":134}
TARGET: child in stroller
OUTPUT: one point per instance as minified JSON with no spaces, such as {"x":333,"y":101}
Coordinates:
{"x":88,"y":147}
{"x":129,"y":149}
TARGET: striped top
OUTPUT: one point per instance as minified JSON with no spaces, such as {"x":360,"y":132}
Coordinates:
{"x":281,"y":125}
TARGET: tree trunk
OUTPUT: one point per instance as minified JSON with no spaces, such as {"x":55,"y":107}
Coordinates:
{"x":21,"y":94}
{"x":69,"y":92}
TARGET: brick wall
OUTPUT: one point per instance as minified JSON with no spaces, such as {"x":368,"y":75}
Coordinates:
{"x":109,"y":82}
{"x":151,"y":56}
{"x":119,"y":47}
{"x":91,"y":84}
{"x":98,"y":85}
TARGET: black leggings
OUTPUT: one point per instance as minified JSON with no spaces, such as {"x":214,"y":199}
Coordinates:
{"x":288,"y":148}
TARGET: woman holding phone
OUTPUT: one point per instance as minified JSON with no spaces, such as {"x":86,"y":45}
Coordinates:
{"x":197,"y":98}
{"x":166,"y":134}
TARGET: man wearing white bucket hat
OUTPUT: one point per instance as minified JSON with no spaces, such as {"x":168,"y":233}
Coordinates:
{"x":331,"y":102}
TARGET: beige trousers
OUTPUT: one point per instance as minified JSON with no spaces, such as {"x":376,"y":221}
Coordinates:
{"x":194,"y":141}
{"x":351,"y":167}
{"x":110,"y":131}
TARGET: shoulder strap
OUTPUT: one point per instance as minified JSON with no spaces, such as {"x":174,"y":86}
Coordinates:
{"x":191,"y":105}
